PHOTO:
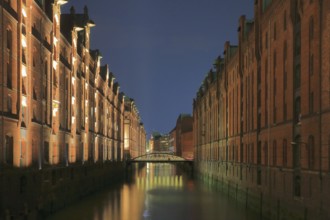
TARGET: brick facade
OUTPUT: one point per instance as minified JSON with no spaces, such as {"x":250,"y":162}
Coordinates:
{"x":58,"y":105}
{"x":261,"y":116}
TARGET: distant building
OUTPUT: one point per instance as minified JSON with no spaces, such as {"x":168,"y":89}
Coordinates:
{"x":159,"y":142}
{"x":182,"y":136}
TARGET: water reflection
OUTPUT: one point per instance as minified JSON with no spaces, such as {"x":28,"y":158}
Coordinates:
{"x":156,"y":192}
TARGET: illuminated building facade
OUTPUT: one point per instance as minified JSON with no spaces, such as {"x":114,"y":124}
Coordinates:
{"x":262,"y":115}
{"x":134,"y":132}
{"x":58,"y":104}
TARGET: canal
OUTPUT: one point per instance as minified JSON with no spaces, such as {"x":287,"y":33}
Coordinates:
{"x":155,"y":192}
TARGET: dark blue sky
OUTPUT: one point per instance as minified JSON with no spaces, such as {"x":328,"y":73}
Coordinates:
{"x":160,"y":50}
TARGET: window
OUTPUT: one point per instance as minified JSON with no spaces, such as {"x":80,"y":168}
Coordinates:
{"x":274,"y":153}
{"x":9,"y":39}
{"x":311,"y":28}
{"x":296,"y":152}
{"x":284,"y":21}
{"x":311,"y":152}
{"x":266,"y":153}
{"x":34,"y":93}
{"x":311,"y":64}
{"x":297,"y":186}
{"x":9,"y":103}
{"x":285,"y":153}
{"x":9,"y":150}
{"x":46,"y":152}
{"x":9,"y":75}
{"x":285,"y":48}
{"x":311,"y":102}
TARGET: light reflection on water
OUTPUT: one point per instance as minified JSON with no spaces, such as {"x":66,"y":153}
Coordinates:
{"x":156,"y":192}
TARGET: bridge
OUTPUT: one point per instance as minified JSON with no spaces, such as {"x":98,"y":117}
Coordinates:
{"x":159,"y":157}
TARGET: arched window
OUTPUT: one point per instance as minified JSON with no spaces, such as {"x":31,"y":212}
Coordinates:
{"x":274,"y":153}
{"x":9,"y":150}
{"x":9,"y":103}
{"x":296,"y":152}
{"x":9,"y":75}
{"x":297,"y":113}
{"x":311,"y":152}
{"x":9,"y":39}
{"x":297,"y":180}
{"x":285,"y":153}
{"x":266,"y":153}
{"x":311,"y":28}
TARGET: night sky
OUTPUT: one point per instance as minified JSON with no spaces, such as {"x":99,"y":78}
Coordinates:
{"x":161,"y":50}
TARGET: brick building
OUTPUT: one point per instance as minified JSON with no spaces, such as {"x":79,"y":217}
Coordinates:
{"x":59,"y":105}
{"x":134,"y":132}
{"x":262,"y":114}
{"x":182,"y":136}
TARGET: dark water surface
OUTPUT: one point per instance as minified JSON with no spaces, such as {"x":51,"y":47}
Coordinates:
{"x":157,"y":192}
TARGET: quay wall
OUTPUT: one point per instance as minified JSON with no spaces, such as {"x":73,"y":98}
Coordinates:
{"x":34,"y":194}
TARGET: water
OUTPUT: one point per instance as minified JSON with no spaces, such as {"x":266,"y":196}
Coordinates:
{"x":157,"y":192}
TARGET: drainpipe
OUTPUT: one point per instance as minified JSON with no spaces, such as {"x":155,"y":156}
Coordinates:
{"x":320,"y":93}
{"x":3,"y":87}
{"x":41,"y":145}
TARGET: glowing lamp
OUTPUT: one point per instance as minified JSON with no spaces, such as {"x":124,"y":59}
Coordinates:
{"x":24,"y":101}
{"x":24,"y":74}
{"x":24,"y":12}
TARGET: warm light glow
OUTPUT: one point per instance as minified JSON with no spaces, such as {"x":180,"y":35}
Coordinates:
{"x":24,"y":74}
{"x":95,"y":110}
{"x":62,"y":2}
{"x":56,"y":105}
{"x":73,"y":119}
{"x":95,"y":95}
{"x":86,"y":85}
{"x":56,"y":18}
{"x":55,"y":111}
{"x":86,"y":102}
{"x":86,"y":118}
{"x":55,"y":40}
{"x":24,"y":12}
{"x":126,"y":144}
{"x":73,"y":99}
{"x":74,"y":42}
{"x":24,"y":42}
{"x":73,"y":60}
{"x":76,"y":28}
{"x":54,"y":64}
{"x":73,"y":80}
{"x":24,"y":101}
